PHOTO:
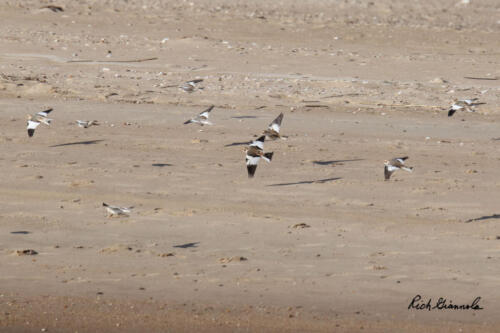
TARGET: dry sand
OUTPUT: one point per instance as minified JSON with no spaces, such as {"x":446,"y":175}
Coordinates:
{"x":206,"y":248}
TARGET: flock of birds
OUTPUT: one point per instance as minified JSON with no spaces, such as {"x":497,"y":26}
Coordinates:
{"x":255,"y":149}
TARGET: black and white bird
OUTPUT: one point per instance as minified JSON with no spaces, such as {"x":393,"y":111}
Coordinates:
{"x":117,"y":211}
{"x":273,"y":131}
{"x":464,"y":105}
{"x":36,"y":119}
{"x":395,"y":164}
{"x":254,"y":152}
{"x":202,"y":118}
{"x":189,"y":86}
{"x":87,"y":123}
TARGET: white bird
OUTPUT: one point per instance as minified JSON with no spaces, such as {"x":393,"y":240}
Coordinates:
{"x":113,"y":210}
{"x":273,"y":131}
{"x":395,"y":164}
{"x":202,"y":118}
{"x":189,"y":86}
{"x":464,"y":105}
{"x":254,"y":153}
{"x":87,"y":123}
{"x":36,"y":119}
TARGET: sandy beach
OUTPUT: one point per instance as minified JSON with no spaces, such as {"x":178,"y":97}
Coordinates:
{"x":317,"y":241}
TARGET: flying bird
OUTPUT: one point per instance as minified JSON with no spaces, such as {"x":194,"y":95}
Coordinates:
{"x":189,"y":86}
{"x":254,"y":152}
{"x":202,"y":118}
{"x":395,"y":164}
{"x":273,"y":131}
{"x":464,"y":105}
{"x":118,"y":211}
{"x":87,"y":123}
{"x":36,"y":119}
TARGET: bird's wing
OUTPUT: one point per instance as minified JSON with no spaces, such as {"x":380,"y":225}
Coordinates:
{"x":33,"y":124}
{"x":44,"y":113}
{"x":31,"y":127}
{"x":204,"y":115}
{"x":252,"y":162}
{"x":387,"y":172}
{"x":268,"y":157}
{"x":259,"y":143}
{"x":276,"y":124}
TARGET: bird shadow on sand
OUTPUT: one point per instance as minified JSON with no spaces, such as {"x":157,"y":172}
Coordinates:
{"x":238,"y":144}
{"x":89,"y":142}
{"x":244,"y":117}
{"x":482,"y":218}
{"x":336,"y":162}
{"x":20,"y":232}
{"x":161,"y":165}
{"x":187,"y":245}
{"x":318,"y":181}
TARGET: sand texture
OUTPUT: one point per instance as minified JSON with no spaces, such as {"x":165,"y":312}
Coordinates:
{"x":317,"y":241}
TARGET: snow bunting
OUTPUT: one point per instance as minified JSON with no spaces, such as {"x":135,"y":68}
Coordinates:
{"x":273,"y":131}
{"x":253,"y":154}
{"x":112,"y":210}
{"x":87,"y":123}
{"x":36,"y":119}
{"x":395,"y":164}
{"x":189,"y":86}
{"x":463,"y":105}
{"x":202,"y":118}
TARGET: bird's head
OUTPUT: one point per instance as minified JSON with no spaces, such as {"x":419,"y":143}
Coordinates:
{"x":386,"y":162}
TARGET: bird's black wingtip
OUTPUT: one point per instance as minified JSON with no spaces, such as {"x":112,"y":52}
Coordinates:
{"x":31,"y":132}
{"x":251,"y":170}
{"x":450,"y":113}
{"x":105,"y":204}
{"x":187,"y":122}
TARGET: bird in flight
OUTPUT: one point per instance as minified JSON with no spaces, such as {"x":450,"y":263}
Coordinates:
{"x":273,"y":131}
{"x":395,"y":164}
{"x":254,"y":152}
{"x":36,"y":119}
{"x":117,"y":211}
{"x":189,"y":86}
{"x":202,"y":118}
{"x":464,"y":105}
{"x":87,"y":123}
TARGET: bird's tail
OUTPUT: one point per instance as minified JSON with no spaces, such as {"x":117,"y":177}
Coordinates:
{"x":268,"y":157}
{"x":46,"y":121}
{"x":409,"y":169}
